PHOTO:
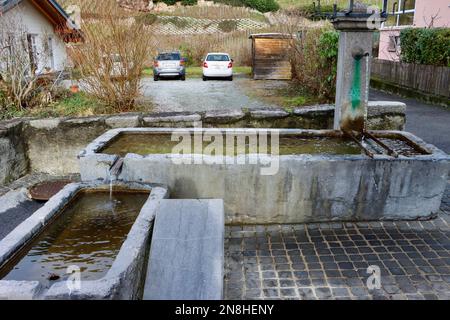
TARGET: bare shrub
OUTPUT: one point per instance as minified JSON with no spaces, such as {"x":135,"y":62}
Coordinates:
{"x":21,"y":80}
{"x":112,"y":57}
{"x":314,"y":56}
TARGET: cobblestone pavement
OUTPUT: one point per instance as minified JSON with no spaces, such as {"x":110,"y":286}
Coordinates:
{"x":330,"y":261}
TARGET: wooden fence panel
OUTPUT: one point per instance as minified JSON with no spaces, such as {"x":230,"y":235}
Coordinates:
{"x":428,"y":79}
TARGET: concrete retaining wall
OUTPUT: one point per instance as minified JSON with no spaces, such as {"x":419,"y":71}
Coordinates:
{"x":52,"y":145}
{"x":124,"y":279}
{"x":13,"y":157}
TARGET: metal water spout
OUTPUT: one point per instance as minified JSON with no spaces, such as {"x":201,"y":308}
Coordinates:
{"x":113,"y":174}
{"x":116,"y":168}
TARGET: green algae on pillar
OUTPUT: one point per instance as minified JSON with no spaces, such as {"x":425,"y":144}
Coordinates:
{"x":355,"y":91}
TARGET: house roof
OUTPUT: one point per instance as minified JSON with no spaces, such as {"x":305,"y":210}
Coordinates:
{"x":54,"y":13}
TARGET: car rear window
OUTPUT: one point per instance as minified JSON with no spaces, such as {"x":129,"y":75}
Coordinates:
{"x":218,"y":57}
{"x":169,"y":56}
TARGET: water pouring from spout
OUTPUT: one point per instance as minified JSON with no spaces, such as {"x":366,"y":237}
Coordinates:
{"x":113,"y":174}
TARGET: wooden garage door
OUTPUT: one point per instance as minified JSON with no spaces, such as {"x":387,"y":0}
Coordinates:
{"x":271,"y":59}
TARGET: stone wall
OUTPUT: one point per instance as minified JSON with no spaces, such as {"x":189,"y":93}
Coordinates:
{"x":13,"y":158}
{"x":52,"y":145}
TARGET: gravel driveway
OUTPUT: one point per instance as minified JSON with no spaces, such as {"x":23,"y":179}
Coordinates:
{"x":197,"y":95}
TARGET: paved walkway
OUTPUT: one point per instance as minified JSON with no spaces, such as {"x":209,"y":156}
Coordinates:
{"x":330,"y":260}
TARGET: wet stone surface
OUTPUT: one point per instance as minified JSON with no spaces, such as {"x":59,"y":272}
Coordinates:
{"x":330,"y":261}
{"x":151,"y":143}
{"x":14,"y":216}
{"x":35,"y":178}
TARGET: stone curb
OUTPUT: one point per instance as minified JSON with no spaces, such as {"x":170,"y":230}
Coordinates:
{"x":51,"y":145}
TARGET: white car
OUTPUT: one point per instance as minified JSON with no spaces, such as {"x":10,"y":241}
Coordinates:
{"x":218,"y":65}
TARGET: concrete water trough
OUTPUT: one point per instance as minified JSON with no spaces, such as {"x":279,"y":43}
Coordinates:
{"x":94,"y":232}
{"x":339,"y":180}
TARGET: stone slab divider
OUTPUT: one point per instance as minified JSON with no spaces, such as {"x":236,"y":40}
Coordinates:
{"x":187,"y":252}
{"x":13,"y":156}
{"x":51,"y":145}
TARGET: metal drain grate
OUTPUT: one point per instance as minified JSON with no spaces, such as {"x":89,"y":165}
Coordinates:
{"x":43,"y":191}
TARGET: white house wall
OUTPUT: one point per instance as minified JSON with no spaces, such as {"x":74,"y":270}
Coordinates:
{"x":35,"y":22}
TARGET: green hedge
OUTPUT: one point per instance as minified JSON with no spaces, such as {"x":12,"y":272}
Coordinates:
{"x":168,"y":2}
{"x":425,"y":46}
{"x":314,"y":62}
{"x":189,"y":2}
{"x":309,"y":11}
{"x":260,"y":5}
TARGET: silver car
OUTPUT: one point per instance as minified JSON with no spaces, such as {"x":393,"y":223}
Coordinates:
{"x":169,"y":64}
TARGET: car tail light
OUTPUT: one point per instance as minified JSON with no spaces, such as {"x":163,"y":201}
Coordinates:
{"x":205,"y":65}
{"x":230,"y":65}
{"x":182,"y":62}
{"x":156,"y":64}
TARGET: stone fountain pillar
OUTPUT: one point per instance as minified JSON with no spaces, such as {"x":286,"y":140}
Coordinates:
{"x":356,"y":28}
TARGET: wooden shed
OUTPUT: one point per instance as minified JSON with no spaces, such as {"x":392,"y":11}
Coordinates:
{"x":270,"y":56}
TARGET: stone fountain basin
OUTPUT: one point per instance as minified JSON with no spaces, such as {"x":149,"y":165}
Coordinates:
{"x":307,"y":187}
{"x":124,"y":280}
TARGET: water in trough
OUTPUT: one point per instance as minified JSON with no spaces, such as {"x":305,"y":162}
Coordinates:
{"x":88,"y":233}
{"x":145,"y":144}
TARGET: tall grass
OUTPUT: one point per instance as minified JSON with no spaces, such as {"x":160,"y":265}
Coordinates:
{"x":340,"y":3}
{"x":195,"y":47}
{"x":112,"y":57}
{"x":217,"y":12}
{"x":91,"y":8}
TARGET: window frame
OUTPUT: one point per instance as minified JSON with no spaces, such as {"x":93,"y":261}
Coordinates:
{"x":399,"y":12}
{"x":32,"y":47}
{"x":220,"y":54}
{"x":394,"y":43}
{"x":49,"y":51}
